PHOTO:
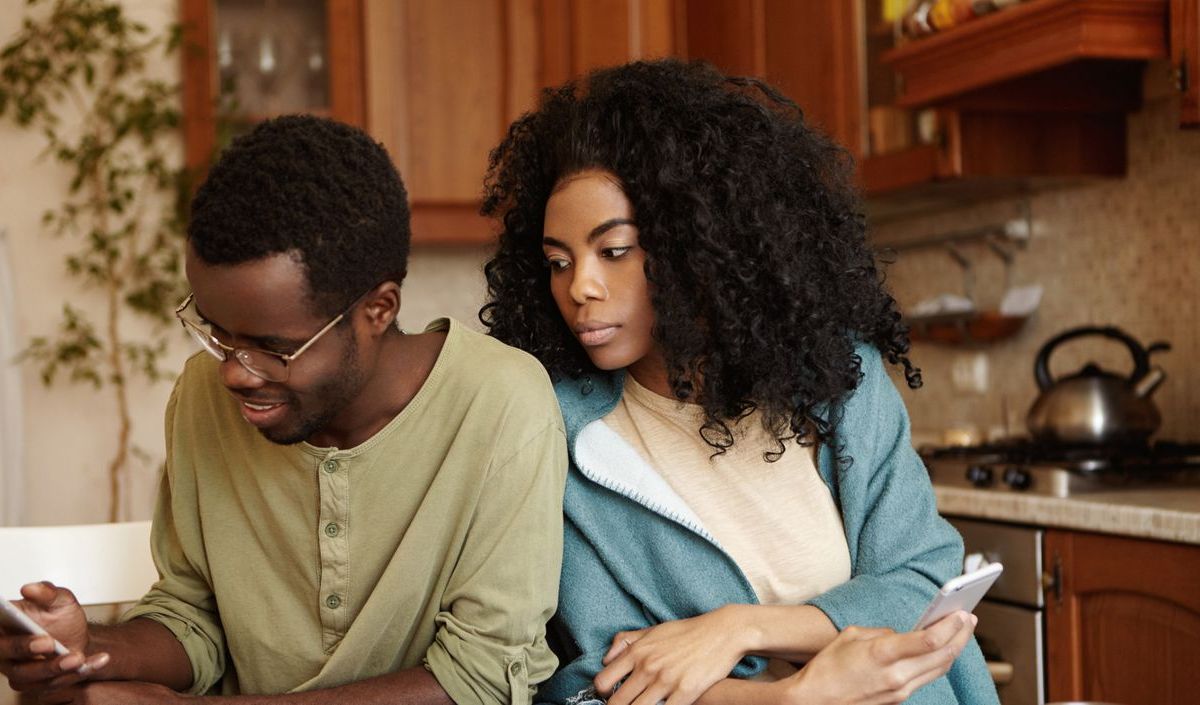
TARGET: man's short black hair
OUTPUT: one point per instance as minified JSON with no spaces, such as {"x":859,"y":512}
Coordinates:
{"x":321,"y":188}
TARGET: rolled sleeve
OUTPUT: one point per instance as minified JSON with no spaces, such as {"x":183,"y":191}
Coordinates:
{"x":182,"y":599}
{"x":490,"y":644}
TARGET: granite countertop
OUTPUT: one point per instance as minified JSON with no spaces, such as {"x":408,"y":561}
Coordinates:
{"x":1168,"y":514}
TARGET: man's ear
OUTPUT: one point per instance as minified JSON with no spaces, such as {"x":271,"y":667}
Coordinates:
{"x":381,"y":306}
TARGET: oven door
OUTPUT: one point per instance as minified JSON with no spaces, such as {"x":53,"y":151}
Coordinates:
{"x":1011,"y":640}
{"x":1010,"y":616}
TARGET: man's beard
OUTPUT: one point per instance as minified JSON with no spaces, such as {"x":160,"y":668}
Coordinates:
{"x":332,"y":397}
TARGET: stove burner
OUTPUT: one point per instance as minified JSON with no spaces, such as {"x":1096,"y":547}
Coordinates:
{"x":1061,"y":470}
{"x":1145,"y":457}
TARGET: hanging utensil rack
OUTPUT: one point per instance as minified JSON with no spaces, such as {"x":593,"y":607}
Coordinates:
{"x":975,"y":326}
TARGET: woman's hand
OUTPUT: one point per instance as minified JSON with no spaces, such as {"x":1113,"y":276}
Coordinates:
{"x":878,"y":666}
{"x":674,"y":661}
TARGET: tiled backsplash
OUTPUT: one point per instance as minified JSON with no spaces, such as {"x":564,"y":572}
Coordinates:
{"x":1123,"y":253}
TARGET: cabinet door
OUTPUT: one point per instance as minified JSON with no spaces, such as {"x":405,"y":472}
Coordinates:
{"x":1185,"y":57}
{"x":446,"y":78}
{"x":1123,"y":625}
{"x":809,"y":50}
{"x":580,"y":35}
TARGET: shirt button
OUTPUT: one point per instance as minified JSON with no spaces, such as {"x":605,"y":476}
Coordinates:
{"x":331,"y":529}
{"x":514,"y":669}
{"x":329,"y":466}
{"x":333,"y":602}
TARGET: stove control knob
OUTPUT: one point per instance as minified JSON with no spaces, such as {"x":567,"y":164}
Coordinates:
{"x":979,"y":475}
{"x":1017,"y":478}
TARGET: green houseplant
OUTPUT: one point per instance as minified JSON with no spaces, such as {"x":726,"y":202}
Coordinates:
{"x":78,"y":72}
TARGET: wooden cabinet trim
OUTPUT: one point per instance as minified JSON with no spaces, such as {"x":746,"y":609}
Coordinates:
{"x":199,"y":56}
{"x":1185,"y":57}
{"x":890,"y":172}
{"x":347,"y":61}
{"x":1037,"y":35}
{"x":451,"y":223}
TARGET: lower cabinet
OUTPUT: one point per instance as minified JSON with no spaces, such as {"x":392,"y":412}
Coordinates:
{"x":1122,"y":619}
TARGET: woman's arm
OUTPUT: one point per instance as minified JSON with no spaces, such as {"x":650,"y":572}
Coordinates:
{"x":901,"y":549}
{"x":704,"y":649}
{"x":789,"y":632}
{"x":861,"y":667}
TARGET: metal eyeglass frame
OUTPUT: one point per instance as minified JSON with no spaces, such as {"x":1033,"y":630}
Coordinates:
{"x":237,"y":353}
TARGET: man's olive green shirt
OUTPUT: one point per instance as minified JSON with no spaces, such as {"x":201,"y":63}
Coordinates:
{"x":438,"y":541}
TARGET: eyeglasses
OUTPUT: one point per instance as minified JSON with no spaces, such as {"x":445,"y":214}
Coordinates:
{"x":268,"y":365}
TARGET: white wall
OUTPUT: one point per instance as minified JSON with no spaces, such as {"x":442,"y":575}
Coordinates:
{"x":12,"y":434}
{"x":69,"y":431}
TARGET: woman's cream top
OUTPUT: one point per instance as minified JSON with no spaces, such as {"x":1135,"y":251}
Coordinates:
{"x":777,"y":520}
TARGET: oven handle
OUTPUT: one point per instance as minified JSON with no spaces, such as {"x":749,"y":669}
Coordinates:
{"x":1001,"y":671}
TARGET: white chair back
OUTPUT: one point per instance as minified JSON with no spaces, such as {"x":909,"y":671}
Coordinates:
{"x":101,"y":563}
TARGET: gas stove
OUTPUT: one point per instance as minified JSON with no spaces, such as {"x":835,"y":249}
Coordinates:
{"x":1057,"y":470}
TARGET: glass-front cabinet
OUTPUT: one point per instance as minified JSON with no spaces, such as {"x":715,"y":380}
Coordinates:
{"x":249,"y":60}
{"x":271,"y":56}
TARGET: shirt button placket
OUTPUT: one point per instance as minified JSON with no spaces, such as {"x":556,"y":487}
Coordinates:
{"x":333,"y":481}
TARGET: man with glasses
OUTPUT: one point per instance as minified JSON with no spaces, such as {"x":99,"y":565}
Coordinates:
{"x":349,"y":513}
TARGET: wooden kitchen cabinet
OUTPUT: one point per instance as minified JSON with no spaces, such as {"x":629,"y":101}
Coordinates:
{"x":1015,"y":107}
{"x":292,"y":56}
{"x":1123,"y":620}
{"x":436,"y":82}
{"x":809,"y":50}
{"x":446,"y":78}
{"x":1031,"y":97}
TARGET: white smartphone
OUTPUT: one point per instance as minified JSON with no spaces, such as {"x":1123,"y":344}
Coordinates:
{"x":12,"y":619}
{"x":961,"y":593}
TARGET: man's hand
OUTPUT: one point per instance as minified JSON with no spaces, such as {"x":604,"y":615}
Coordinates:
{"x":878,"y":666}
{"x":29,"y":662}
{"x":675,"y":661}
{"x":112,"y":693}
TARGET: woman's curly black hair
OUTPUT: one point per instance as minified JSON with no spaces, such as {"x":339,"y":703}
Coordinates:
{"x":761,"y":277}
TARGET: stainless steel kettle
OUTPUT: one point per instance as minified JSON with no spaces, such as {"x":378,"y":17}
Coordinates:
{"x":1094,"y":406}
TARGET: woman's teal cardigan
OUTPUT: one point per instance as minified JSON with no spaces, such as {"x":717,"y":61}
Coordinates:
{"x":629,"y":564}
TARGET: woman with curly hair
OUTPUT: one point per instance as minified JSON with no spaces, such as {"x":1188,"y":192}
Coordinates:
{"x":686,"y":257}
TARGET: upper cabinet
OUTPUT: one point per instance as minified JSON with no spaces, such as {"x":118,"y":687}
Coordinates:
{"x":446,"y":78}
{"x":809,"y":50}
{"x":1032,"y":96}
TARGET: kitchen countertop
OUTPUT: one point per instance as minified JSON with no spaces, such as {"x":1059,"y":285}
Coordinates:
{"x":1167,"y":514}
